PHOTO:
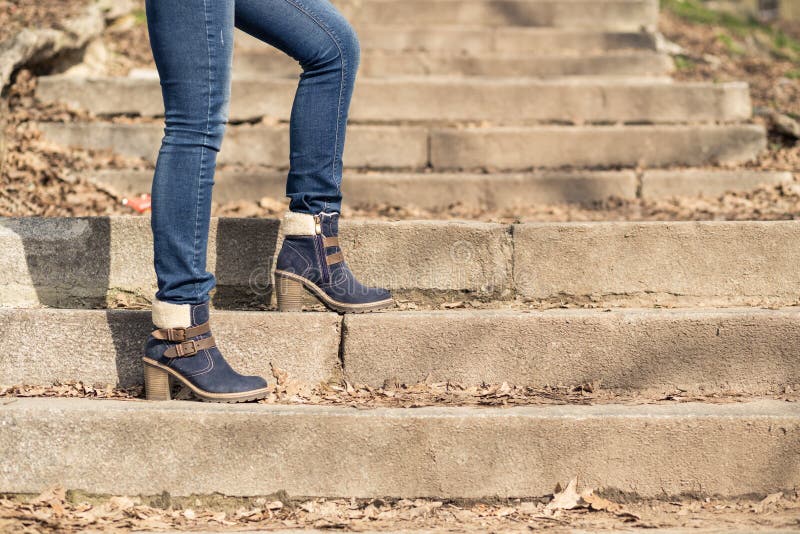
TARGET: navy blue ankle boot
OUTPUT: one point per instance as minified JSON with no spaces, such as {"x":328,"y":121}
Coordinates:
{"x":183,"y":349}
{"x":311,"y":261}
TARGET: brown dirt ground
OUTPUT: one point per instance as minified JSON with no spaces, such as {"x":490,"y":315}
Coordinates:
{"x":56,"y":510}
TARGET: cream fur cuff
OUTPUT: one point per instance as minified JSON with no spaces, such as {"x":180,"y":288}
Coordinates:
{"x":166,"y":315}
{"x":298,"y":224}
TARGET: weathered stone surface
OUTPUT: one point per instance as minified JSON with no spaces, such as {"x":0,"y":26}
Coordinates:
{"x":436,"y":256}
{"x":82,"y":262}
{"x":437,"y":191}
{"x":101,"y":347}
{"x":699,"y":263}
{"x":367,"y":146}
{"x":508,"y":148}
{"x":742,"y":350}
{"x":440,"y":99}
{"x":659,"y":183}
{"x":386,"y":64}
{"x":479,"y":39}
{"x":516,"y":148}
{"x":727,"y":449}
{"x":619,"y":15}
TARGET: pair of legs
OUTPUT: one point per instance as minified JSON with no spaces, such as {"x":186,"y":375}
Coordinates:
{"x":192,"y":43}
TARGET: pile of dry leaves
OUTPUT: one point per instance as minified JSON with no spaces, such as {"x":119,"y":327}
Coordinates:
{"x":16,"y":15}
{"x":56,"y":510}
{"x":395,"y":394}
{"x":41,"y":178}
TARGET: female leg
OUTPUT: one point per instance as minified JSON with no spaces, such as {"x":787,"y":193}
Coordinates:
{"x":315,"y":34}
{"x":192,"y":43}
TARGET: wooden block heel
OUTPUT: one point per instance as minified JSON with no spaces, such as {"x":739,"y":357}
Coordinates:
{"x":156,"y":383}
{"x":290,"y":294}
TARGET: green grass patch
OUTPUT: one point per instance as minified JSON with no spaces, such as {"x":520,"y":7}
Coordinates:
{"x":139,"y":16}
{"x":697,"y":13}
{"x":734,"y":28}
{"x":732,"y":46}
{"x":684,"y":63}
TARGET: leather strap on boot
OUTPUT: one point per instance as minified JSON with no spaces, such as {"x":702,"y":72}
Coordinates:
{"x":334,"y":258}
{"x":181,"y":334}
{"x":190,"y":348}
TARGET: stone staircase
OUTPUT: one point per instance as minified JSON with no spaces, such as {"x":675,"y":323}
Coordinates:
{"x":492,"y":104}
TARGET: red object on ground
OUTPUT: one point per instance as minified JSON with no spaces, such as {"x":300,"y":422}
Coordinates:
{"x":140,"y":204}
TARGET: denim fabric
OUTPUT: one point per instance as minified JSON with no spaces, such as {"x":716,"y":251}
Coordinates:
{"x":207,"y":369}
{"x":305,"y":256}
{"x":192,"y":42}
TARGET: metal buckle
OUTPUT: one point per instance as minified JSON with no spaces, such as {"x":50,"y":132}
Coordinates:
{"x":171,"y":334}
{"x":179,"y":349}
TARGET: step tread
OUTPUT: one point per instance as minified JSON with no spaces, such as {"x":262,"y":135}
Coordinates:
{"x":511,"y":192}
{"x":425,"y":452}
{"x":442,"y":99}
{"x":762,"y":408}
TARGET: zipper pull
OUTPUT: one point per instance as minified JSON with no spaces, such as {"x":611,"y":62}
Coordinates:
{"x":317,"y":225}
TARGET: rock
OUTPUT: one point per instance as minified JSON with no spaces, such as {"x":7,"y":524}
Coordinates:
{"x":38,"y":45}
{"x":780,"y":122}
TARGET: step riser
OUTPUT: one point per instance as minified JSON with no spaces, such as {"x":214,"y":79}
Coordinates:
{"x":493,"y":192}
{"x":746,"y":351}
{"x":105,"y":347}
{"x":520,"y":149}
{"x":449,"y":149}
{"x":477,"y":40}
{"x":426,"y":190}
{"x":395,"y":100}
{"x":640,"y":351}
{"x":444,"y":453}
{"x":46,"y":262}
{"x":626,"y":264}
{"x":384,"y":65}
{"x":665,"y":263}
{"x":622,"y":15}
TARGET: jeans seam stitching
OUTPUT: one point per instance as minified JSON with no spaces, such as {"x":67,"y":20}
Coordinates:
{"x":195,"y":255}
{"x":332,"y":35}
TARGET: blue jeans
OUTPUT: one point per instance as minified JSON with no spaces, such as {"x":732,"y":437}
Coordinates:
{"x":192,"y":42}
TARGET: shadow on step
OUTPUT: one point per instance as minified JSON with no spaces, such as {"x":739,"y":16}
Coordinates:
{"x":102,"y":263}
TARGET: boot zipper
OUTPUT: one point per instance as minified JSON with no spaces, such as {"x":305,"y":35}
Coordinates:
{"x":326,"y":274}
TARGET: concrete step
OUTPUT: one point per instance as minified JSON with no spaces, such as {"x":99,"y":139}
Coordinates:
{"x":703,"y":449}
{"x":520,"y":148}
{"x":491,"y":192}
{"x":441,"y":99}
{"x":387,"y":64}
{"x":45,"y":259}
{"x":433,"y":191}
{"x":640,"y":351}
{"x":612,"y":263}
{"x":477,"y":39}
{"x":603,"y":15}
{"x":417,"y":147}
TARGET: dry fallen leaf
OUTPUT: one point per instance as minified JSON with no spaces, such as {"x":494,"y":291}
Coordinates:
{"x":768,"y":500}
{"x":568,"y":499}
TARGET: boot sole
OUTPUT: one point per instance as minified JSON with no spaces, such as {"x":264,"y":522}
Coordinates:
{"x":290,"y":289}
{"x":157,"y":386}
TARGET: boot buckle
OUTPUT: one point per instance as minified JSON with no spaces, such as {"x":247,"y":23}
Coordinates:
{"x":181,"y":351}
{"x":176,"y":334}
